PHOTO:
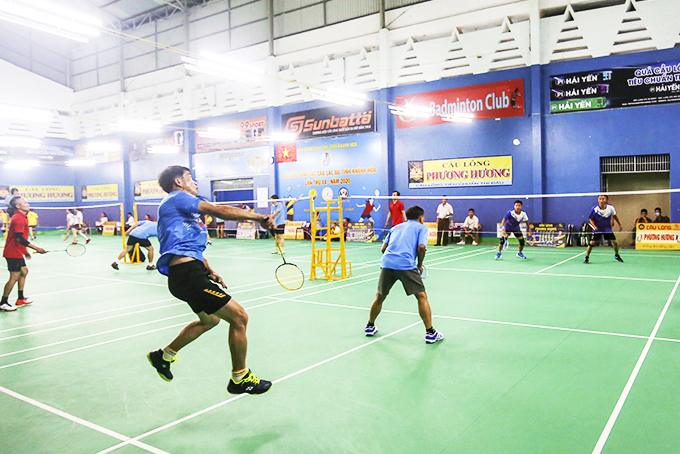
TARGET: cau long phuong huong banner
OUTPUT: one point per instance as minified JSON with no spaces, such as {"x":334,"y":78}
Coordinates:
{"x":449,"y":173}
{"x":43,"y":193}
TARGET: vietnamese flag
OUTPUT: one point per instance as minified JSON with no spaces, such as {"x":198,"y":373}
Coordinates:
{"x":286,"y":153}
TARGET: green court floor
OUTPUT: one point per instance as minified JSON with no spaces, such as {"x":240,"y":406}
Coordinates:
{"x":544,"y":355}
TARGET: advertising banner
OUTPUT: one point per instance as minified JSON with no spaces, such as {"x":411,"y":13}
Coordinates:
{"x":148,"y":189}
{"x":483,"y":171}
{"x":360,"y":232}
{"x":494,"y":100}
{"x":657,"y":236}
{"x":246,"y":230}
{"x":331,"y":121}
{"x":143,"y":147}
{"x":642,"y":85}
{"x":100,"y":192}
{"x":548,"y":235}
{"x":47,"y":193}
{"x":293,"y":230}
{"x":252,"y":130}
{"x":334,"y":168}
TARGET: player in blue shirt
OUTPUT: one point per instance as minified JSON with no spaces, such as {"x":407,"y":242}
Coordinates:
{"x":278,"y":215}
{"x":403,"y":244}
{"x":510,"y":224}
{"x":140,"y":232}
{"x":182,"y":238}
{"x":601,"y":220}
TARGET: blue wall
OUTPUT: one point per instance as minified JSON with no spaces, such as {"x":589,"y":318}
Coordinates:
{"x":557,"y":153}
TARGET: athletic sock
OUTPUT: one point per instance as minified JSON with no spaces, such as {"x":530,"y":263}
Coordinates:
{"x":169,"y":354}
{"x":431,"y":330}
{"x":238,"y":375}
{"x":21,"y":294}
{"x":5,"y":300}
{"x":369,"y":324}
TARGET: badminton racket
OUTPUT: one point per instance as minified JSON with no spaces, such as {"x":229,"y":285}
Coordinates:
{"x":288,"y":275}
{"x":74,"y":250}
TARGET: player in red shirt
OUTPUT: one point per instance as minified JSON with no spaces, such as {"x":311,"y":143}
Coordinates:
{"x":396,"y":211}
{"x":15,"y":252}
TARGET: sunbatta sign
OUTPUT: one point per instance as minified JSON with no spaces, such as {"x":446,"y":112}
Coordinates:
{"x":331,"y":121}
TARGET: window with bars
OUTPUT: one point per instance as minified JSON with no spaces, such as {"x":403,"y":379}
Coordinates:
{"x":635,"y":164}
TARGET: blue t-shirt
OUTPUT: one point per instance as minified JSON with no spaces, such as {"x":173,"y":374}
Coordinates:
{"x":144,"y":230}
{"x":602,"y":218}
{"x":402,"y":245}
{"x":180,"y":229}
{"x":279,"y":219}
{"x":513,"y":219}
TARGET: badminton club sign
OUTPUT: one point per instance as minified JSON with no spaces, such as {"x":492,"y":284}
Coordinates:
{"x":43,"y":193}
{"x":448,"y":173}
{"x":485,"y":101}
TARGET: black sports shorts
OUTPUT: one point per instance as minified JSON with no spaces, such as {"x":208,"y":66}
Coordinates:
{"x":132,"y":240}
{"x":189,"y":282}
{"x":279,"y":229}
{"x":603,"y":236}
{"x":517,"y":233}
{"x":15,"y":264}
{"x":410,"y":280}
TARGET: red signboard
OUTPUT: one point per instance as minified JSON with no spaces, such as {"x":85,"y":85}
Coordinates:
{"x":286,"y":153}
{"x":494,"y":100}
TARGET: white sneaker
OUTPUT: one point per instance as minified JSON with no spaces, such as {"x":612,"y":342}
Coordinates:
{"x":474,"y":243}
{"x":434,"y":337}
{"x":7,"y":307}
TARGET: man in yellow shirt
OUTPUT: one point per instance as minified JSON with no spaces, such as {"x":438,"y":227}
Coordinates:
{"x":4,"y":219}
{"x":32,"y":223}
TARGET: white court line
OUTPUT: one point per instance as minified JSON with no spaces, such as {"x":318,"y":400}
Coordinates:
{"x":631,"y":380}
{"x":85,"y":315}
{"x":585,"y":276}
{"x":91,"y":321}
{"x":112,"y":279}
{"x":82,"y":422}
{"x":557,"y":264}
{"x":33,"y":295}
{"x":98,"y":333}
{"x":458,"y":258}
{"x":278,"y":380}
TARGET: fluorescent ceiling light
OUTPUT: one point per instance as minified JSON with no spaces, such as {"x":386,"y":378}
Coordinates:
{"x":281,"y":137}
{"x":338,"y":96}
{"x":25,"y":113}
{"x":50,"y":18}
{"x":23,"y":164}
{"x":102,"y":147}
{"x":80,"y":163}
{"x":134,"y":125}
{"x":240,"y":72}
{"x":459,"y":117}
{"x":163,"y":149}
{"x":19,"y":142}
{"x":219,"y":133}
{"x":409,"y":111}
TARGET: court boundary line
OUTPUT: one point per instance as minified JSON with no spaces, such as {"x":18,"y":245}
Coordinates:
{"x":528,"y":273}
{"x":82,"y":422}
{"x":240,"y":396}
{"x":559,"y":263}
{"x":604,"y":436}
{"x":494,"y":322}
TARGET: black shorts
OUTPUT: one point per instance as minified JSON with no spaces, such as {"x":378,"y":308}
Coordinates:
{"x":518,"y":233}
{"x":132,"y":240}
{"x":410,"y":280}
{"x":14,"y":265}
{"x":77,"y":227}
{"x":189,"y":282}
{"x":279,"y":229}
{"x":603,"y":236}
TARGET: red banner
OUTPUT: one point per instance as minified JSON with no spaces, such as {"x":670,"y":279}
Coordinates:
{"x":286,"y":153}
{"x":494,"y":100}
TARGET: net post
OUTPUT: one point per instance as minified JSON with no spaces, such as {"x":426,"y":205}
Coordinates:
{"x":122,"y":230}
{"x":135,"y":211}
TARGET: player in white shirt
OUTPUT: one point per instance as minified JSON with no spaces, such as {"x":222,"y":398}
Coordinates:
{"x":444,"y":216}
{"x":74,"y":218}
{"x":600,"y":218}
{"x":470,"y":225}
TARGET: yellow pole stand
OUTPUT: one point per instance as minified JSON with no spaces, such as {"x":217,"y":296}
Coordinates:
{"x":323,"y":257}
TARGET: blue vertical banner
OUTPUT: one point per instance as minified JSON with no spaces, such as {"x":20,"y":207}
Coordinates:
{"x":334,"y":167}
